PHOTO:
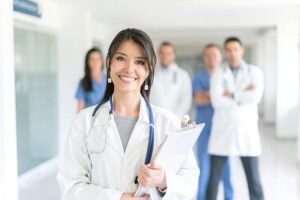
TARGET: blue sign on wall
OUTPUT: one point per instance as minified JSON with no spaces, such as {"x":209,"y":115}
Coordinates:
{"x":27,"y":7}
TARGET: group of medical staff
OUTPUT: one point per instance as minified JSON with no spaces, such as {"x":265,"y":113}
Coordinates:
{"x":126,"y":113}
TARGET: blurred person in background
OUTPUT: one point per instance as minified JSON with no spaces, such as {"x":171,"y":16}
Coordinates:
{"x":91,"y":87}
{"x":212,"y":58}
{"x":172,"y":88}
{"x":235,"y":93}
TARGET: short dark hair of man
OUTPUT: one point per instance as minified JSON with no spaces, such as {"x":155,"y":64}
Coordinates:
{"x":233,"y":39}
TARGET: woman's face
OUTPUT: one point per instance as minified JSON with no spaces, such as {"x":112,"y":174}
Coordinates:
{"x":95,"y":62}
{"x":128,"y":69}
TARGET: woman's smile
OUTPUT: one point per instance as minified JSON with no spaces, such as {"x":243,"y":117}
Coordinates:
{"x":127,"y":78}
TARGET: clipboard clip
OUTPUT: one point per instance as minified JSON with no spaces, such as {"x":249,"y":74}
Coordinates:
{"x":186,"y":122}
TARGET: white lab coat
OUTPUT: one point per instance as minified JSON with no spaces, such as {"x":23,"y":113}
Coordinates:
{"x":235,"y":121}
{"x":172,"y":89}
{"x":106,"y":175}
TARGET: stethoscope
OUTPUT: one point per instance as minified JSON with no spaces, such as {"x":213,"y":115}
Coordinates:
{"x":151,"y":128}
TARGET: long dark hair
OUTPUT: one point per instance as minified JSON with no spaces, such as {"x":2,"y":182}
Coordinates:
{"x":87,"y":79}
{"x":143,"y":40}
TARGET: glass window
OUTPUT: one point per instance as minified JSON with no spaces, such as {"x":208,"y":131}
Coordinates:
{"x":36,"y":97}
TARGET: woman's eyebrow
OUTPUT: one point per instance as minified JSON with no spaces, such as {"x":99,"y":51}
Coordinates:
{"x":139,"y":57}
{"x":121,"y":53}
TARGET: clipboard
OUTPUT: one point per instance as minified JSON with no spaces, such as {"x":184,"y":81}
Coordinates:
{"x":172,"y":153}
{"x":174,"y":150}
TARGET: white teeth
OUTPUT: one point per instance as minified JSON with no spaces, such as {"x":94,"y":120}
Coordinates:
{"x":125,"y":78}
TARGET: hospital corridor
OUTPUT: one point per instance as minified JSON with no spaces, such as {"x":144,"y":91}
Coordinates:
{"x":90,"y":91}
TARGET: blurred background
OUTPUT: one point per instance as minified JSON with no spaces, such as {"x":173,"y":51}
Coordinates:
{"x":42,"y":48}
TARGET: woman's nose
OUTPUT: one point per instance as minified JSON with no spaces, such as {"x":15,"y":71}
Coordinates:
{"x":129,"y":68}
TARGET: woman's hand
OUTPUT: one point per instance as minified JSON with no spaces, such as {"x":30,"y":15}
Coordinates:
{"x":152,"y":175}
{"x":130,"y":196}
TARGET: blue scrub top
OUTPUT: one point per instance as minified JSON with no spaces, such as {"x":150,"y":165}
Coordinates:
{"x":204,"y":113}
{"x":95,"y":95}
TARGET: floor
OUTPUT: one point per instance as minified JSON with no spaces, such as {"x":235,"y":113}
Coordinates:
{"x":279,"y":170}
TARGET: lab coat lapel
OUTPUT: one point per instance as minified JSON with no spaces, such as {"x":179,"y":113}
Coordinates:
{"x":242,"y":75}
{"x":229,"y":82}
{"x":140,"y":132}
{"x":102,"y":115}
{"x":103,"y":120}
{"x":141,"y":129}
{"x":236,"y":83}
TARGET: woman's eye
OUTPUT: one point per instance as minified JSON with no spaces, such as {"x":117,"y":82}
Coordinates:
{"x":119,"y":58}
{"x":140,"y":62}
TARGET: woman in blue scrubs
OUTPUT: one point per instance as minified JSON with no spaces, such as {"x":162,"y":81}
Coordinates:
{"x":91,"y":87}
{"x":204,"y":113}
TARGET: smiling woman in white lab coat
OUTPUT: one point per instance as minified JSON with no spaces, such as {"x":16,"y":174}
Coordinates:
{"x":103,"y":156}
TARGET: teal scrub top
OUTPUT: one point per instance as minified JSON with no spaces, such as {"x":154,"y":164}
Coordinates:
{"x":95,"y":95}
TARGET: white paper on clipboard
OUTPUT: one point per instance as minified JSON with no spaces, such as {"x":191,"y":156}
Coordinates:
{"x":173,"y":152}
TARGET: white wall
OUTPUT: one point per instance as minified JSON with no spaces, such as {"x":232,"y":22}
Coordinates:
{"x":103,"y":33}
{"x":266,"y":58}
{"x":8,"y":159}
{"x":72,"y":45}
{"x":298,"y":138}
{"x":287,"y":91}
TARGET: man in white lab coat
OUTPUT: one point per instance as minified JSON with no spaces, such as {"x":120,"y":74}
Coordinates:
{"x":235,"y":93}
{"x":172,"y":88}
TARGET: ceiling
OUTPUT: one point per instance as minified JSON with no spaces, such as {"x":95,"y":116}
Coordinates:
{"x":192,"y":23}
{"x":172,"y":14}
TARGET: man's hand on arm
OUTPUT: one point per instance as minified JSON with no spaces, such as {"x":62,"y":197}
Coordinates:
{"x":228,"y":94}
{"x":250,"y":87}
{"x":202,"y":98}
